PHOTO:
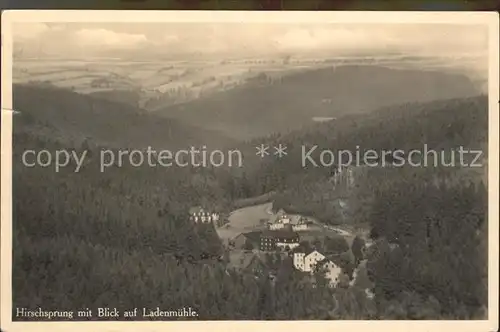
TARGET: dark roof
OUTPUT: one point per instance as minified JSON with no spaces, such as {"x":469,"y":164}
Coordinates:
{"x":253,"y":236}
{"x":303,"y":249}
{"x":311,"y":250}
{"x":239,"y":236}
{"x":282,"y":234}
{"x":298,"y":249}
{"x":308,"y":249}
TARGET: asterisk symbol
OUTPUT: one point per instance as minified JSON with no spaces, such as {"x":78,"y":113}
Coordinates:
{"x":280,"y":150}
{"x":262,"y":150}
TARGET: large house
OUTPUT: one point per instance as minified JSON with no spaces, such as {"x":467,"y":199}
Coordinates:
{"x":200,"y":215}
{"x":272,"y":240}
{"x":312,"y":260}
{"x":306,"y":260}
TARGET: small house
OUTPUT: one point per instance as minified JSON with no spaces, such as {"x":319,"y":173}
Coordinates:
{"x":332,"y":271}
{"x":280,"y":220}
{"x":300,"y":227}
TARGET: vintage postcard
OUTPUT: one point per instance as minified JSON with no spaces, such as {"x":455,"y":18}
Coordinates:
{"x":295,"y":171}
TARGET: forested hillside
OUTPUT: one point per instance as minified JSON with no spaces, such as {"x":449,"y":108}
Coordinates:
{"x":429,"y":223}
{"x":67,"y":116}
{"x":443,"y":125}
{"x":431,"y":241}
{"x":266,"y":105}
{"x":80,"y":239}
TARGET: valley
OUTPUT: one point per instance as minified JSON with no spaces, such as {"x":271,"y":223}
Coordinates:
{"x":158,"y":252}
{"x":159,"y":83}
{"x":288,"y":167}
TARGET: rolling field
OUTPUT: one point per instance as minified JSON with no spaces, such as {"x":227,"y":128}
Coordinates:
{"x":163,"y":83}
{"x":161,"y":79}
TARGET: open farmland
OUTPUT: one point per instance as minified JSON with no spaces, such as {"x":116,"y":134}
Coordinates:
{"x":163,"y":82}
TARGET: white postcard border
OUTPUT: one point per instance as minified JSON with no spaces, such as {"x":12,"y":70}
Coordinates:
{"x":489,"y":19}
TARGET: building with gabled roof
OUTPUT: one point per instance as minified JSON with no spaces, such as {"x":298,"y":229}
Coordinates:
{"x":306,"y":260}
{"x":332,"y":271}
{"x":310,"y":260}
{"x":271,"y":240}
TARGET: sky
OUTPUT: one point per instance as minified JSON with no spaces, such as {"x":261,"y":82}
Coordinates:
{"x":238,"y":39}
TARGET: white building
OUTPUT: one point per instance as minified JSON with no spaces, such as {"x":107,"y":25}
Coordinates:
{"x":299,"y":227}
{"x":369,"y":293}
{"x":199,"y":215}
{"x":306,"y":261}
{"x":311,"y":261}
{"x":276,"y":226}
{"x":282,"y":219}
{"x":332,"y":272}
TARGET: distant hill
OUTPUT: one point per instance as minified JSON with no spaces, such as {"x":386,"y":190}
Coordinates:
{"x":66,"y":116}
{"x":265,"y":105}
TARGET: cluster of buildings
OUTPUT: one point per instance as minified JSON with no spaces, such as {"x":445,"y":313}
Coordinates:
{"x":305,"y":259}
{"x":285,"y":242}
{"x":295,"y":223}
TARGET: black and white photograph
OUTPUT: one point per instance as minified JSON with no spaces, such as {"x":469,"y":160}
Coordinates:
{"x":246,"y":166}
